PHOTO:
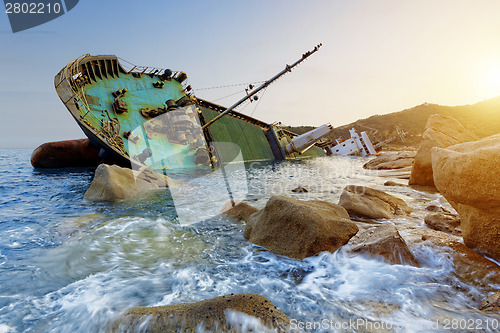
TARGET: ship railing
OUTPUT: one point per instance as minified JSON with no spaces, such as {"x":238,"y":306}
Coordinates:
{"x":71,"y":76}
{"x":131,"y":68}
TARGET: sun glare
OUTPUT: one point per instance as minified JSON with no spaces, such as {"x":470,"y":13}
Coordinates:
{"x":492,"y":81}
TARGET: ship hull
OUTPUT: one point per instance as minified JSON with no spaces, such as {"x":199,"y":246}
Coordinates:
{"x":147,"y":116}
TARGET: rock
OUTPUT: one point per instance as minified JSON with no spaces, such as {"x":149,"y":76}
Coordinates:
{"x":367,"y":202}
{"x":382,"y":240}
{"x":436,"y":209}
{"x":65,"y":154}
{"x":470,"y":267}
{"x":391,"y":183}
{"x":112,"y":182}
{"x":467,"y":176}
{"x":444,"y":221}
{"x":71,"y":226}
{"x":492,"y":303}
{"x":389,"y":161}
{"x":300,"y":229}
{"x":300,"y":190}
{"x":219,"y":314}
{"x":241,"y":211}
{"x":403,"y":173}
{"x":440,"y":131}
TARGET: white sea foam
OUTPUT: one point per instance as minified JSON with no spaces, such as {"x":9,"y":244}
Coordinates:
{"x":137,"y":255}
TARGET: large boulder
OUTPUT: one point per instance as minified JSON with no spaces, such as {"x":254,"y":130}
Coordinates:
{"x":440,"y":131}
{"x":467,"y":176}
{"x":367,"y":202}
{"x":112,"y":182}
{"x":393,"y":160}
{"x":227,"y":313}
{"x":65,"y":154}
{"x":382,"y":240}
{"x":300,"y":229}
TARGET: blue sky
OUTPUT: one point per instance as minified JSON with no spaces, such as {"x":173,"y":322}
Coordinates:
{"x":378,"y":56}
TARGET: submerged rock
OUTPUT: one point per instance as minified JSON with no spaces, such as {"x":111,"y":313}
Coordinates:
{"x":391,"y":183}
{"x":443,"y":221}
{"x":220,"y":314}
{"x":367,"y":202}
{"x":300,"y":190}
{"x":300,"y":229}
{"x":491,"y":304}
{"x":112,"y":182}
{"x":389,"y":161}
{"x":440,"y":131}
{"x":384,"y":241}
{"x":467,"y":176}
{"x":241,"y":211}
{"x":470,"y":267}
{"x":65,"y":154}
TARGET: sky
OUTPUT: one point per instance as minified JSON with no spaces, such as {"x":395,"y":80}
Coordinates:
{"x":378,"y":56}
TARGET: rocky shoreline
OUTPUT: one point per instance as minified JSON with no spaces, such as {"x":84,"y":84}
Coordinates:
{"x":365,"y":221}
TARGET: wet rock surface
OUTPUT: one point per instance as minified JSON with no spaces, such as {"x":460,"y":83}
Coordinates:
{"x":112,"y":182}
{"x":440,"y":131}
{"x":300,"y":229}
{"x":382,"y":241}
{"x":219,"y":314}
{"x":467,"y":176}
{"x":371,"y":203}
{"x":444,"y":221}
{"x":241,"y":211}
{"x":391,"y":183}
{"x":491,"y":304}
{"x":469,"y":266}
{"x":389,"y":161}
{"x":300,"y":189}
{"x":436,"y":209}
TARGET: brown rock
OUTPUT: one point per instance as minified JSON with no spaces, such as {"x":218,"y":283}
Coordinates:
{"x":367,"y":202}
{"x":403,"y":173}
{"x":300,"y":229}
{"x":385,"y":241}
{"x":443,"y":221}
{"x":300,"y":190}
{"x":112,"y":182}
{"x":65,"y":154}
{"x":241,"y":211}
{"x":440,"y":131}
{"x":470,"y":267}
{"x":491,"y":304}
{"x":391,"y":183}
{"x":220,"y":314}
{"x":436,"y":209}
{"x":389,"y":161}
{"x":467,"y":176}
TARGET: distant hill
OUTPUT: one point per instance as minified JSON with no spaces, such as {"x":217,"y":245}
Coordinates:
{"x":482,"y":118}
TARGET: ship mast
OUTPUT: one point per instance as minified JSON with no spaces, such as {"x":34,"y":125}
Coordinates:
{"x":287,"y":69}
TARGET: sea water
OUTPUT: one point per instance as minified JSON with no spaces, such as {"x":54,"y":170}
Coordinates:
{"x":70,"y":265}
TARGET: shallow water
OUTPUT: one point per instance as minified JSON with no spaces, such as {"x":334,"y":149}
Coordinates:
{"x":68,"y":265}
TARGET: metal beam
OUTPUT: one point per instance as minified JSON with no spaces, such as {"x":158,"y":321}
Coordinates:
{"x":287,"y":69}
